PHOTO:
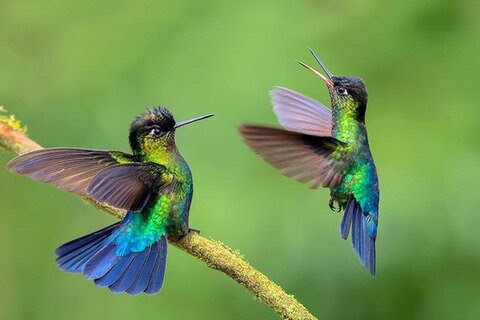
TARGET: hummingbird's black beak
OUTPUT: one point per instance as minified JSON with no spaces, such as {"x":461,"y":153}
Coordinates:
{"x":182,"y":123}
{"x":329,"y":74}
{"x":328,"y":81}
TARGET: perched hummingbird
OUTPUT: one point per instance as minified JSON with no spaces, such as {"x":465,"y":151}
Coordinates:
{"x":154,"y":185}
{"x":328,"y":148}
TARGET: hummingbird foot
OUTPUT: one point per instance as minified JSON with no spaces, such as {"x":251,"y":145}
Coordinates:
{"x":181,"y":235}
{"x":191,"y":229}
{"x":331,"y":204}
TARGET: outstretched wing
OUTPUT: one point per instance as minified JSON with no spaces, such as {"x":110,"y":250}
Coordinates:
{"x":299,"y":113}
{"x":106,"y":176}
{"x":127,"y":186}
{"x":306,"y":158}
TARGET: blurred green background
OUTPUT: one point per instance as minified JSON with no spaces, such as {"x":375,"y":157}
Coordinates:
{"x":77,"y":73}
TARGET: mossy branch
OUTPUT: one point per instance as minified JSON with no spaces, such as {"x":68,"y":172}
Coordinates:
{"x":218,"y":256}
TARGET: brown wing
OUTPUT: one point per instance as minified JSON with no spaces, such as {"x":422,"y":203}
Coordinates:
{"x":127,"y":186}
{"x":95,"y":173}
{"x":299,"y":113}
{"x":303,"y":157}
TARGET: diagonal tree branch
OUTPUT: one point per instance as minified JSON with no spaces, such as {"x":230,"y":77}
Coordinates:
{"x":216,"y":255}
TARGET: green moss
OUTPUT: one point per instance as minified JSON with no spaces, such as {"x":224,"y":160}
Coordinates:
{"x":235,"y":252}
{"x":10,"y":121}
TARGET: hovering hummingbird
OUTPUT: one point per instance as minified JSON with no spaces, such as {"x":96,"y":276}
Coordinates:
{"x":327,"y":148}
{"x":154,"y":185}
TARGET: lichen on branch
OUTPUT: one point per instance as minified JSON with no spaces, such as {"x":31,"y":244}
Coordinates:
{"x":218,"y":256}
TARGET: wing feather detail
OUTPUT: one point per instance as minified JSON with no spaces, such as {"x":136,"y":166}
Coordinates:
{"x":304,"y":158}
{"x":299,"y":113}
{"x":107,"y":176}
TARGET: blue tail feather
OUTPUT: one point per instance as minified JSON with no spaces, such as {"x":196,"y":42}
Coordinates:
{"x":128,"y":276}
{"x":80,"y":242}
{"x":111,"y":276}
{"x":75,"y":261}
{"x":363,"y":233}
{"x":101,"y":262}
{"x":144,"y":276}
{"x":357,"y":233}
{"x":347,"y":219}
{"x":155,"y":282}
{"x":73,"y":255}
{"x":97,"y":256}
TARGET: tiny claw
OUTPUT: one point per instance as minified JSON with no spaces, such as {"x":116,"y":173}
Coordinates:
{"x":194,"y":230}
{"x":331,"y":204}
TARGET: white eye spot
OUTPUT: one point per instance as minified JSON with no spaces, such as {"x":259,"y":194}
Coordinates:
{"x":156,"y":132}
{"x":342,"y":91}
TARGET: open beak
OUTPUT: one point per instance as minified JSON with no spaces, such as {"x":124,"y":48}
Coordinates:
{"x":328,"y":81}
{"x":182,"y":123}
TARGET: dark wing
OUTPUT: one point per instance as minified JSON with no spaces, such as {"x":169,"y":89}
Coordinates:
{"x":107,"y":176}
{"x":126,"y":186}
{"x":70,"y":169}
{"x":299,"y":113}
{"x":305,"y":158}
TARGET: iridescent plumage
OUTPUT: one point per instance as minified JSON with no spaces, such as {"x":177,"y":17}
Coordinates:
{"x":154,"y":185}
{"x":329,"y":148}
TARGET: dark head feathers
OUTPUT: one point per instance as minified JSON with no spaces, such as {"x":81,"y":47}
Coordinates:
{"x":158,"y":117}
{"x":357,"y":89}
{"x":355,"y":86}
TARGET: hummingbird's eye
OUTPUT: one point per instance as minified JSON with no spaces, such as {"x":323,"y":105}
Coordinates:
{"x":156,"y":132}
{"x":342,"y":91}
